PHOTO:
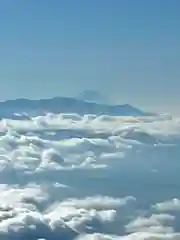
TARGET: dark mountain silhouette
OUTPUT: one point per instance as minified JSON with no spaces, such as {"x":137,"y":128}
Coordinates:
{"x":65,"y":105}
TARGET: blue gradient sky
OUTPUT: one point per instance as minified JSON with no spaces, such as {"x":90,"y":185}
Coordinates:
{"x":129,"y":50}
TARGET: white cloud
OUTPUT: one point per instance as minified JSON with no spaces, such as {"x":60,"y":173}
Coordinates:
{"x":134,"y":236}
{"x":96,"y":236}
{"x":172,"y":205}
{"x":85,"y":213}
{"x":97,"y":202}
{"x":160,"y":223}
{"x":151,"y":236}
{"x":21,"y":212}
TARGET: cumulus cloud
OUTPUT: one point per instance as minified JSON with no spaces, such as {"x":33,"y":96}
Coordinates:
{"x":23,"y":214}
{"x":90,"y":213}
{"x":134,"y":236}
{"x":160,"y":223}
{"x":151,"y":236}
{"x":97,"y":236}
{"x":171,"y":205}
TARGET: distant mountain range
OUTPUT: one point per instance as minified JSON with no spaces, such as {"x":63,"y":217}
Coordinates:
{"x":64,"y":105}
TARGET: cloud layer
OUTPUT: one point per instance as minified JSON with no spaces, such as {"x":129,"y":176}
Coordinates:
{"x":64,"y":176}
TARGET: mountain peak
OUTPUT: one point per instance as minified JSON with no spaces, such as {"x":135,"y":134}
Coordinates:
{"x":92,"y":96}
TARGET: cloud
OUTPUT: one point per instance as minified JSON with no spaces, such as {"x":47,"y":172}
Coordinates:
{"x":157,"y":223}
{"x":89,"y":213}
{"x":134,"y":236}
{"x":151,"y":236}
{"x":97,"y":236}
{"x":66,"y":176}
{"x":171,"y":205}
{"x":22,"y":214}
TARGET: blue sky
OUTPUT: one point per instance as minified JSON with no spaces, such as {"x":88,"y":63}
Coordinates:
{"x":126,"y":49}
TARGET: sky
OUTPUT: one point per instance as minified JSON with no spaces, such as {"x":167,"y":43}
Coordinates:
{"x":128,"y":50}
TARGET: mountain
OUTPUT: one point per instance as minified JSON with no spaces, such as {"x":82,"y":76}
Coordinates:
{"x":12,"y":108}
{"x":92,"y":96}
